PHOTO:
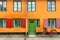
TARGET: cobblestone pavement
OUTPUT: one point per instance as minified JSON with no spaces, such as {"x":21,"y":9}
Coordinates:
{"x":20,"y":37}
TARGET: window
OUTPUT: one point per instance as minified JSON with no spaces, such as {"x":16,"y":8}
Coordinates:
{"x":31,"y":5}
{"x":17,"y":22}
{"x":2,"y":23}
{"x":38,"y":23}
{"x":51,"y":5}
{"x":51,"y":23}
{"x":2,"y":5}
{"x":17,"y":5}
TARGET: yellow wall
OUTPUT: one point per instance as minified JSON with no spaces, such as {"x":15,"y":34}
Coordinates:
{"x":40,"y":13}
{"x":11,"y":14}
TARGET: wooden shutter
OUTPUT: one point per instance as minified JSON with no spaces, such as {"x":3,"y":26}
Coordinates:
{"x":9,"y":23}
{"x":45,"y":23}
{"x":23,"y":23}
{"x":58,"y":22}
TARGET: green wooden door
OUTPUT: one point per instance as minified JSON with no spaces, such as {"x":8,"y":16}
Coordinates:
{"x":32,"y":27}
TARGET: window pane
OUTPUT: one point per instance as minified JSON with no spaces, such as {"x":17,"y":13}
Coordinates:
{"x":38,"y":23}
{"x":33,"y":3}
{"x":49,"y":8}
{"x":53,"y":5}
{"x":1,"y":23}
{"x":15,"y":3}
{"x":29,"y":9}
{"x":19,"y":4}
{"x":0,"y":5}
{"x":29,"y":6}
{"x":33,"y":9}
{"x":17,"y":23}
{"x":15,"y":9}
{"x":4,"y":23}
{"x":19,"y":9}
{"x":51,"y":23}
{"x":53,"y":9}
{"x":4,"y":4}
{"x":29,"y":3}
{"x":0,"y":2}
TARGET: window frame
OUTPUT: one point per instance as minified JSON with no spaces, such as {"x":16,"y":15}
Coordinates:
{"x":38,"y":22}
{"x":2,"y":5}
{"x":49,"y":24}
{"x":31,"y":5}
{"x":17,"y":5}
{"x":14,"y":23}
{"x":3,"y":19}
{"x":51,"y":5}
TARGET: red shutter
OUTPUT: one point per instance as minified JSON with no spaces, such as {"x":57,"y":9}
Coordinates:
{"x":23,"y":23}
{"x":58,"y":22}
{"x":9,"y":23}
{"x":45,"y":23}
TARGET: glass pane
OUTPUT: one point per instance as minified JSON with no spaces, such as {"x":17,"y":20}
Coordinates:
{"x":53,"y":5}
{"x":33,"y":6}
{"x":48,"y":22}
{"x":4,"y":4}
{"x":49,"y":8}
{"x":0,"y":2}
{"x":1,"y":23}
{"x":0,"y":9}
{"x":29,"y":6}
{"x":0,"y":5}
{"x":15,"y":3}
{"x":4,"y":23}
{"x":19,"y":6}
{"x":33,"y":3}
{"x":29,"y":3}
{"x":52,"y":23}
{"x":15,"y":9}
{"x":17,"y":23}
{"x":49,"y":3}
{"x":19,"y":9}
{"x":19,"y":3}
{"x":53,"y":8}
{"x":29,"y":9}
{"x":33,"y":9}
{"x":38,"y":23}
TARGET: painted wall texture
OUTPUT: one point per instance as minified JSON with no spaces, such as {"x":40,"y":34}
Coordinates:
{"x":40,"y":13}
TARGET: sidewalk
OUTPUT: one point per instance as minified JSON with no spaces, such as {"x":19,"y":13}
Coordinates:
{"x":22,"y":37}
